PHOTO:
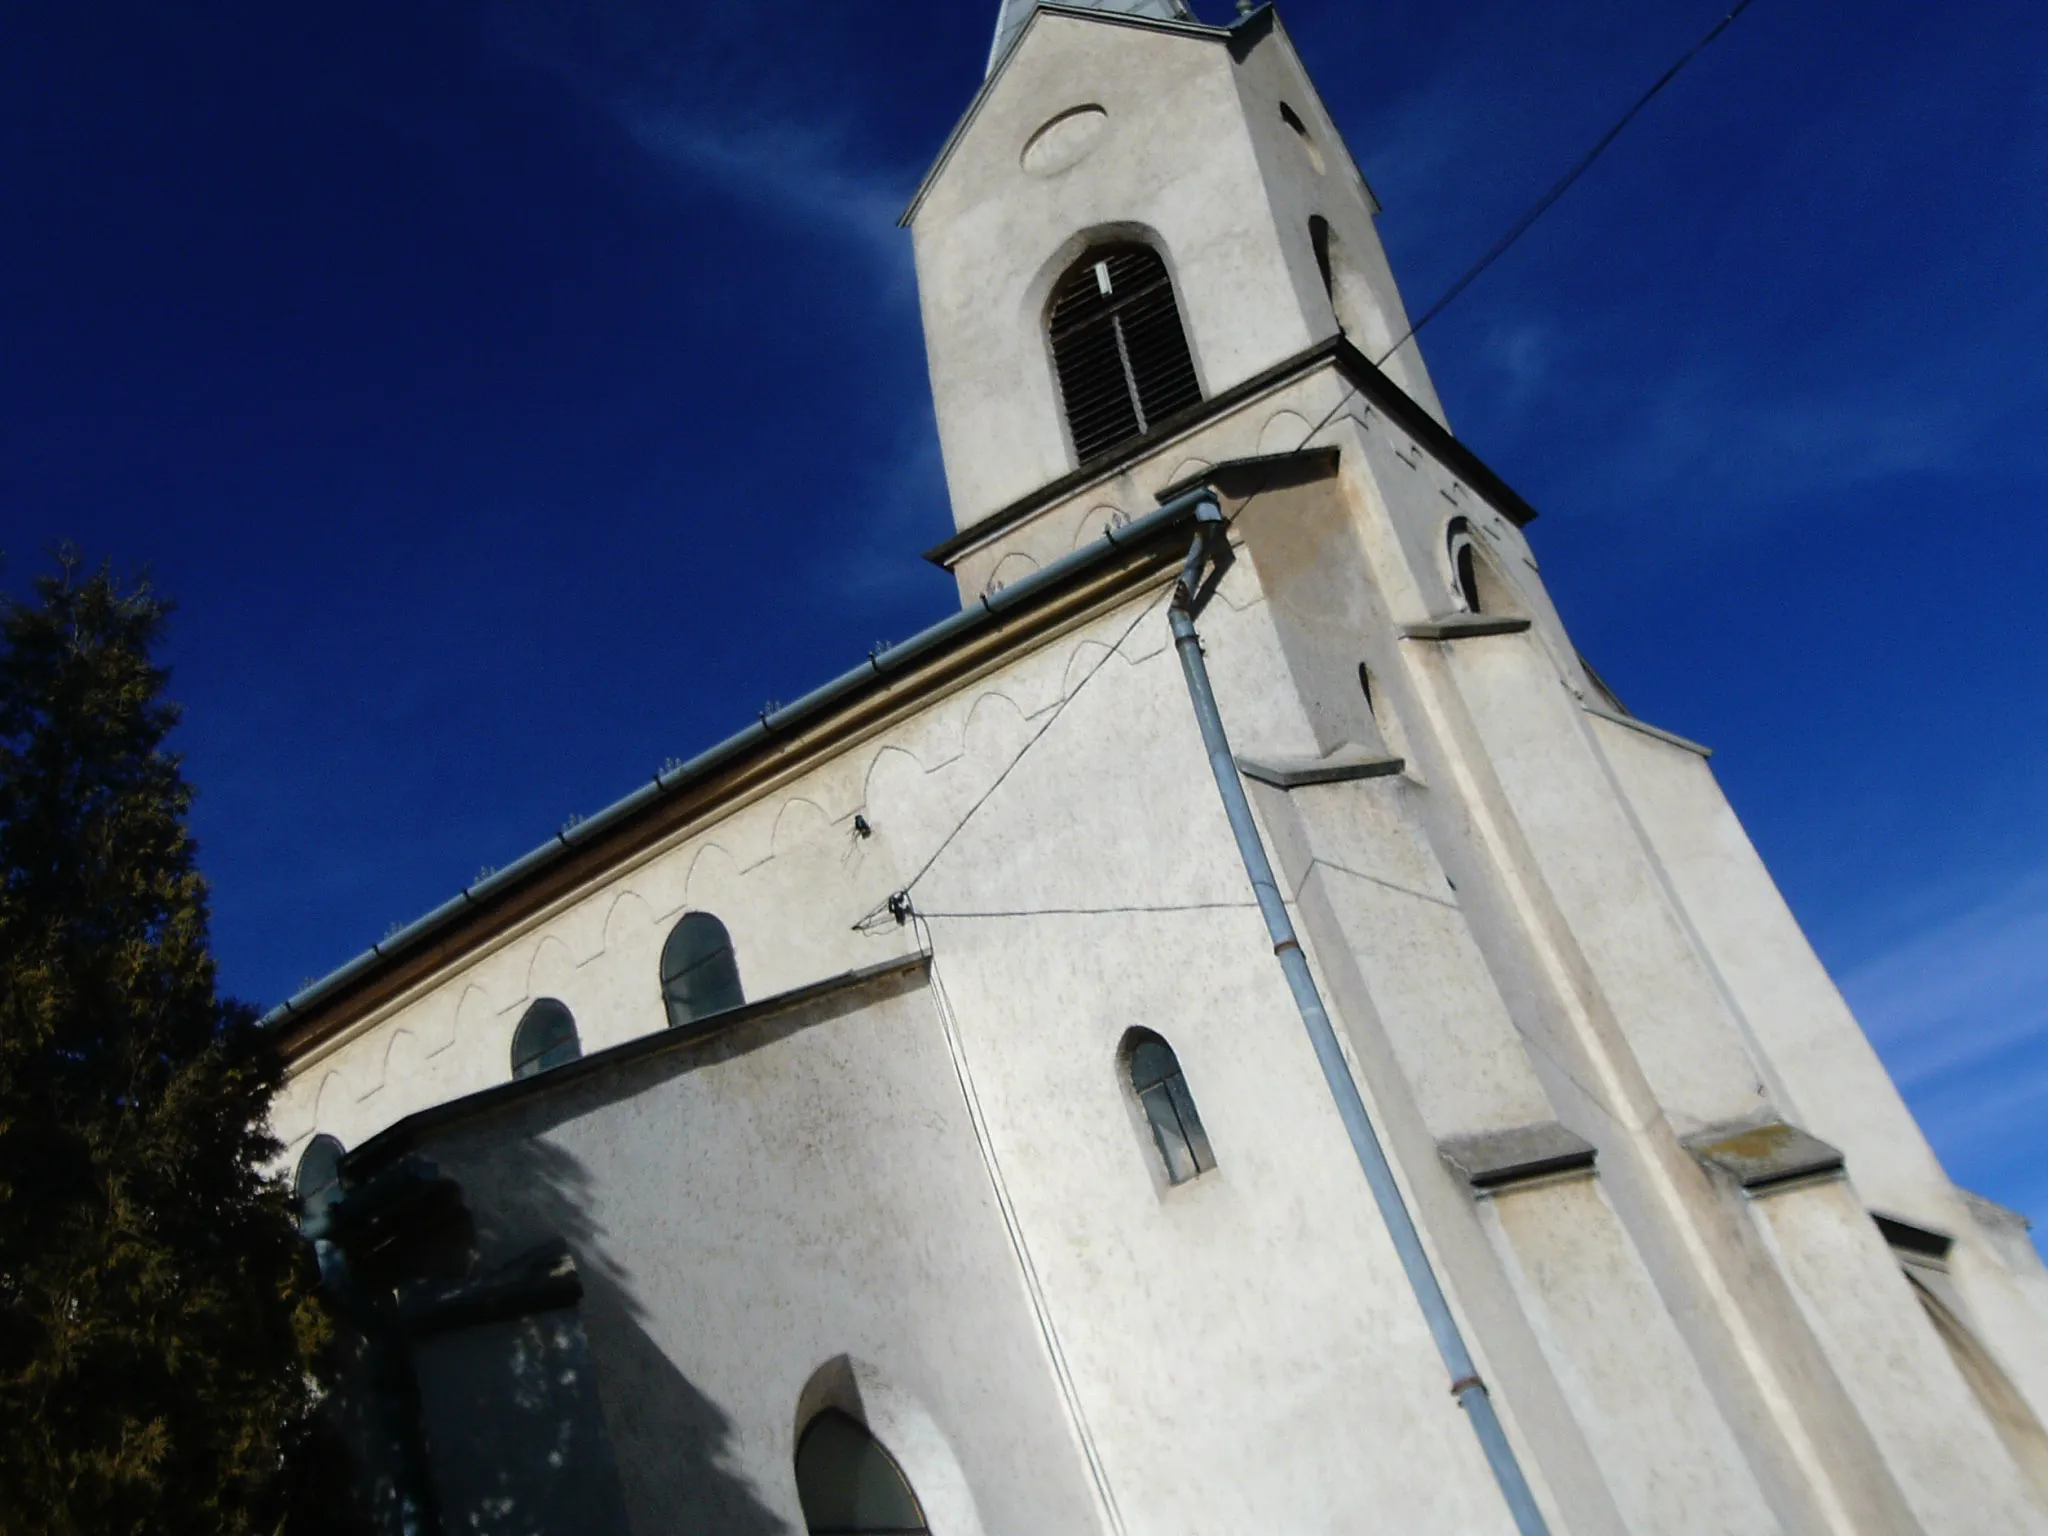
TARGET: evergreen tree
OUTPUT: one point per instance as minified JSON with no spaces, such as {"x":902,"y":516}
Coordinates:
{"x":159,"y":1335}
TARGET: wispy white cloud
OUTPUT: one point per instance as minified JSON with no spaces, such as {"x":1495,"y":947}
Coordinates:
{"x":789,"y":169}
{"x":714,"y":97}
{"x":715,"y":94}
{"x":876,"y":566}
{"x":1959,"y":992}
{"x":1959,"y":1012}
{"x":1708,"y":434}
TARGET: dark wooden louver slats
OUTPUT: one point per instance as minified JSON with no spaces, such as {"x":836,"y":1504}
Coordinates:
{"x":1100,"y":411}
{"x":1121,"y":356}
{"x":1160,"y":363}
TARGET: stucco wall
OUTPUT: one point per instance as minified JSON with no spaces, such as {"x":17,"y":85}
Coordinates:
{"x":748,"y":1212}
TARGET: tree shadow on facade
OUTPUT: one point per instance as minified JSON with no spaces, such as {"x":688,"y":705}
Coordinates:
{"x":570,"y":1418}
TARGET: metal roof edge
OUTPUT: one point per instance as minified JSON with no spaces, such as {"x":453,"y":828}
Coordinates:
{"x":880,"y":665}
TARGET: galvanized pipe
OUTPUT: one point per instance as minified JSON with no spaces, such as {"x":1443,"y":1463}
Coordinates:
{"x":1466,"y":1386}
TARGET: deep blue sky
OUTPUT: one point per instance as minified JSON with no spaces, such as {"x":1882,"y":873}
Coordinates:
{"x":517,"y":394}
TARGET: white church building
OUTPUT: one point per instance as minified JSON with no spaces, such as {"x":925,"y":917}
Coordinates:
{"x":907,"y":1116}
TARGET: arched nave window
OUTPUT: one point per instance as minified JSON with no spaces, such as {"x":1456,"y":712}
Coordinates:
{"x":1162,"y":1091}
{"x":850,"y":1485}
{"x":699,"y":975}
{"x":318,"y":1180}
{"x":546,"y":1037}
{"x":1118,"y":347}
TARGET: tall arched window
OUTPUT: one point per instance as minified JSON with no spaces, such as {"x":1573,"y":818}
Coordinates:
{"x":1118,"y":347}
{"x":546,"y":1037}
{"x":1162,"y":1092}
{"x":318,"y":1181}
{"x":849,"y":1485}
{"x":699,"y":975}
{"x":1476,"y":581}
{"x":1465,"y":565}
{"x":1319,"y":242}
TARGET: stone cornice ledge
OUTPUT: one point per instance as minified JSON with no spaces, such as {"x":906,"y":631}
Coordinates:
{"x":1460,"y":626}
{"x":1764,"y":1156}
{"x":1672,"y":738}
{"x":1339,"y":767}
{"x":1493,"y":1162}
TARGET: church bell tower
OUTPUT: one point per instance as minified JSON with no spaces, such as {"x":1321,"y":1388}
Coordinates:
{"x":1137,"y":216}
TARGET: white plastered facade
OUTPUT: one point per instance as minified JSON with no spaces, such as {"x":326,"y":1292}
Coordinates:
{"x":930,"y":1198}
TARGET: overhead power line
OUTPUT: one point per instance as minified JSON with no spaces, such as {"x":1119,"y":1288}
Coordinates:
{"x":1542,"y":205}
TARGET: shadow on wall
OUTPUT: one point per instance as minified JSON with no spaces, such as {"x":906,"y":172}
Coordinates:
{"x":569,"y":1419}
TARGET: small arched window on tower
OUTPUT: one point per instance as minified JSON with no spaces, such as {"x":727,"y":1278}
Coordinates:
{"x":546,"y":1037}
{"x":318,"y":1180}
{"x":1307,"y":140}
{"x":1465,"y":559}
{"x":849,"y":1485}
{"x":1476,"y":581}
{"x":1319,"y":241}
{"x":699,"y":975}
{"x":1118,"y":348}
{"x":1162,"y":1090}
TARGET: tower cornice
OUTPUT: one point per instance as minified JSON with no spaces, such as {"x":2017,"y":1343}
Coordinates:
{"x":1373,"y":386}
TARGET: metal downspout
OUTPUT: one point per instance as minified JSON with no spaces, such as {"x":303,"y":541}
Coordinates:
{"x":1466,"y":1386}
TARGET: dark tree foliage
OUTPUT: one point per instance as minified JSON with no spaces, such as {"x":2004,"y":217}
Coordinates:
{"x":160,"y":1341}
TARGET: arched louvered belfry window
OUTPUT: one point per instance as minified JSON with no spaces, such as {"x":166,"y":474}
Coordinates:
{"x":546,"y":1037}
{"x":318,"y":1181}
{"x":1118,"y":347}
{"x":849,"y":1485}
{"x":699,"y":975}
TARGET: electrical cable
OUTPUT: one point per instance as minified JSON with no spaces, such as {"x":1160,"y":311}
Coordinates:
{"x":1010,"y":767}
{"x":1564,"y":183}
{"x":1184,"y":906}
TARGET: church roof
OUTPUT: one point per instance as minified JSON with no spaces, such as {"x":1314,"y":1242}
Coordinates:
{"x":1010,"y":20}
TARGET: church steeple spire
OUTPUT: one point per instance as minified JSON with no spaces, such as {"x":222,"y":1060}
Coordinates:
{"x":1010,"y":20}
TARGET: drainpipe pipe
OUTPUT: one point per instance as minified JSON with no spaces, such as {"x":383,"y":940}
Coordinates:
{"x":1466,"y":1386}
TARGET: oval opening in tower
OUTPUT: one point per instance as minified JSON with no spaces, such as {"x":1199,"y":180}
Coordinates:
{"x":1065,"y":140}
{"x":1293,"y":120}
